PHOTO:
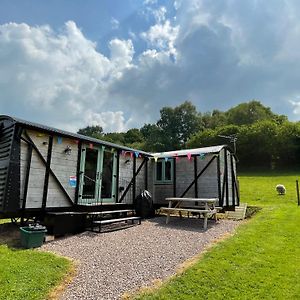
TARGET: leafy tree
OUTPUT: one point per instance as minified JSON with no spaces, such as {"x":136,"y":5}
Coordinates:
{"x":115,"y":137}
{"x":215,"y":119}
{"x":153,"y":138}
{"x":249,"y":113}
{"x":288,"y":144}
{"x":211,"y":137}
{"x":178,"y":124}
{"x":92,"y":131}
{"x":133,"y":135}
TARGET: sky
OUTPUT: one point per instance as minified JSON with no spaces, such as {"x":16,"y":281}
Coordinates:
{"x":116,"y":63}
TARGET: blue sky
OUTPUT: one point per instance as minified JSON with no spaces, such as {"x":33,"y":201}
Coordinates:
{"x":70,"y":64}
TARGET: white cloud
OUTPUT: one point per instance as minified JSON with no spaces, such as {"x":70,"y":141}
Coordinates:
{"x":111,"y":121}
{"x":150,"y":2}
{"x":160,"y":14}
{"x":296,"y":107}
{"x":162,"y":37}
{"x":59,"y":77}
{"x":121,"y":53}
{"x":216,"y":53}
{"x":114,"y":23}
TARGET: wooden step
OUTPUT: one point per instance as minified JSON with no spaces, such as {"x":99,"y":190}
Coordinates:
{"x":110,"y":221}
{"x":239,"y":213}
{"x":110,"y":212}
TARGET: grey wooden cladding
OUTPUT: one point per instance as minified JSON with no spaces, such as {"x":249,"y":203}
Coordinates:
{"x":52,"y":184}
{"x":217,"y":180}
{"x":63,"y":165}
{"x":125,"y":176}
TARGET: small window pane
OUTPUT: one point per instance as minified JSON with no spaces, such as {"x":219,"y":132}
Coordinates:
{"x":159,"y":170}
{"x":168,"y":169}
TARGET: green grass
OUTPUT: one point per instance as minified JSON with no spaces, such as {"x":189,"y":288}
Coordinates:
{"x":28,"y":274}
{"x":3,"y":221}
{"x":261,"y":261}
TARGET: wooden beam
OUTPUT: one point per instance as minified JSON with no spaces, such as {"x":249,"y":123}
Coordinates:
{"x":47,"y":172}
{"x":195,"y":176}
{"x":29,"y":141}
{"x":174,"y":177}
{"x":134,"y":177}
{"x":27,"y":174}
{"x":131,"y":181}
{"x":200,"y":173}
{"x":78,"y":172}
{"x":146,"y":174}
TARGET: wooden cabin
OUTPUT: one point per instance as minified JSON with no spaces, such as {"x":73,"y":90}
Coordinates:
{"x":208,"y":172}
{"x":43,"y":169}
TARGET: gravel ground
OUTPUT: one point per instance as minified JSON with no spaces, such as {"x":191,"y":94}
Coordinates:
{"x":120,"y":261}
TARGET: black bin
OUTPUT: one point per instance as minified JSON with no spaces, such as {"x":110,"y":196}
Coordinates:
{"x":143,"y":204}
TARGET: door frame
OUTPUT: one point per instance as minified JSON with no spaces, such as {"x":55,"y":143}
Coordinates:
{"x":99,"y":171}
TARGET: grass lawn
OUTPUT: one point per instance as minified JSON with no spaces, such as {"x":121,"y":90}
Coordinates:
{"x":28,"y":274}
{"x":261,"y":261}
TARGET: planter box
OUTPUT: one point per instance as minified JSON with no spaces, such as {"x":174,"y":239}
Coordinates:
{"x":32,"y":237}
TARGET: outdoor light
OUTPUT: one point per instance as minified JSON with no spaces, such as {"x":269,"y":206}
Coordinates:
{"x":68,"y":150}
{"x":127,"y":161}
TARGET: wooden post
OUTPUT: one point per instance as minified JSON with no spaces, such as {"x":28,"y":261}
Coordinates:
{"x":134,"y":177}
{"x":297,"y":188}
{"x":47,"y":173}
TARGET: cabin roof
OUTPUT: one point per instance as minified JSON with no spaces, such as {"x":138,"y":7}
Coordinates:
{"x":44,"y":128}
{"x":204,"y":150}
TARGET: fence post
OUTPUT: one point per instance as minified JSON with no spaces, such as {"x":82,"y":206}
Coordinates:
{"x":297,"y":188}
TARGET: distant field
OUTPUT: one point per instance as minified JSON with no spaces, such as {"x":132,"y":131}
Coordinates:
{"x":261,"y":261}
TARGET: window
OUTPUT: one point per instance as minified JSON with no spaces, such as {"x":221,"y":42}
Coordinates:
{"x":164,"y":171}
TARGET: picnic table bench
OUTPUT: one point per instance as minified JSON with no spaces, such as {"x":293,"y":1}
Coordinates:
{"x":202,"y":206}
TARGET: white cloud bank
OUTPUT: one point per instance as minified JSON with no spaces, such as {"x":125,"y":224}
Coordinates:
{"x":60,"y":77}
{"x":216,"y":54}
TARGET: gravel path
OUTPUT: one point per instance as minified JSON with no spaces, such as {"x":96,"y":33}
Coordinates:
{"x":117,"y":262}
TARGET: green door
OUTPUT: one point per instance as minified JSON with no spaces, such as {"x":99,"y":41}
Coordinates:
{"x":97,"y":176}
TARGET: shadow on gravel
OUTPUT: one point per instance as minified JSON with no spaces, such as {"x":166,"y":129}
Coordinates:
{"x":184,"y":223}
{"x":10,"y":236}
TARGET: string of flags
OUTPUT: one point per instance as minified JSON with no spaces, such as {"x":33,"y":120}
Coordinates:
{"x":155,"y":157}
{"x":137,"y":154}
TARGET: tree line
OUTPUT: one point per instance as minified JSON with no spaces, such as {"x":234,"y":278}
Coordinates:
{"x":263,"y":139}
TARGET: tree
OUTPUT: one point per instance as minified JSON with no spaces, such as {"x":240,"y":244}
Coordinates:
{"x":92,"y":131}
{"x":249,"y":113}
{"x":178,"y":124}
{"x":153,"y":137}
{"x":215,"y":119}
{"x":115,"y":137}
{"x":133,"y":136}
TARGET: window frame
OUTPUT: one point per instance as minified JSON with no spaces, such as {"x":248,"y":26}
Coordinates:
{"x":163,"y":179}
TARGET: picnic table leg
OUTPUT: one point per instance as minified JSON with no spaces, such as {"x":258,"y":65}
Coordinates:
{"x":168,"y":217}
{"x":205,"y":221}
{"x":168,"y":213}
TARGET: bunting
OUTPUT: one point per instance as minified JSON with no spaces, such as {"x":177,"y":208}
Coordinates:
{"x":202,"y":155}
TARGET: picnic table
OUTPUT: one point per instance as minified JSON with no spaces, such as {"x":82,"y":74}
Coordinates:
{"x":201,"y":206}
